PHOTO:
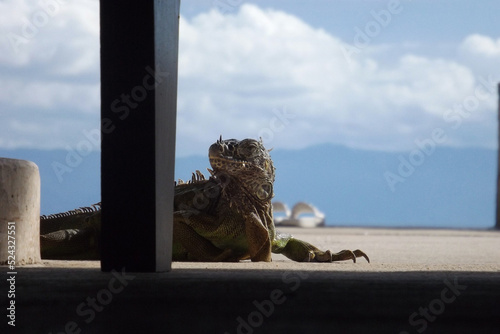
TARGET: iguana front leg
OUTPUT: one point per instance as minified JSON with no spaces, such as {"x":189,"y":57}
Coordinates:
{"x":301,"y":251}
{"x":258,"y":239}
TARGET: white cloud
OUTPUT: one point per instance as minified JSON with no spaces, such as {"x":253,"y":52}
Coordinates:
{"x":256,"y":72}
{"x":236,"y":69}
{"x":49,"y":65}
{"x":482,"y":45}
{"x":481,"y":54}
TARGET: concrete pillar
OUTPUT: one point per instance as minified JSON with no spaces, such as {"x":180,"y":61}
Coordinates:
{"x":19,"y":211}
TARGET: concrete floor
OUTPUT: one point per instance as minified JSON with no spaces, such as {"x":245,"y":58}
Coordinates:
{"x":418,"y":281}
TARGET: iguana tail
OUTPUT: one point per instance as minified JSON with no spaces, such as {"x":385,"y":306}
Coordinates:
{"x":72,"y":235}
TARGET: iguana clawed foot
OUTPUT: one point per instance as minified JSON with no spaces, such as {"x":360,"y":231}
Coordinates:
{"x":340,"y":256}
{"x":302,"y":251}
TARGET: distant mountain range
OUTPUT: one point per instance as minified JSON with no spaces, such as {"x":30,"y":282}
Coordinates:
{"x":444,"y":187}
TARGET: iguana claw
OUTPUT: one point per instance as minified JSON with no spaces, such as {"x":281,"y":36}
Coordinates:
{"x":302,"y":251}
{"x":348,"y":255}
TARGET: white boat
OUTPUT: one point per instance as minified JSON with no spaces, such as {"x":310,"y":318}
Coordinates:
{"x":302,"y":215}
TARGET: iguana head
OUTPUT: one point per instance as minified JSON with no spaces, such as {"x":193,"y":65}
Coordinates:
{"x":246,"y":162}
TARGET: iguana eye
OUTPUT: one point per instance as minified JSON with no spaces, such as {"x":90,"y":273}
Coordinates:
{"x":265,"y":191}
{"x":249,"y":150}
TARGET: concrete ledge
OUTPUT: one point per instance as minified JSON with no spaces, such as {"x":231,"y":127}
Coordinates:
{"x":419,"y":281}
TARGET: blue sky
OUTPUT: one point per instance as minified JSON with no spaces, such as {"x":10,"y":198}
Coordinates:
{"x":376,"y":75}
{"x":392,"y":77}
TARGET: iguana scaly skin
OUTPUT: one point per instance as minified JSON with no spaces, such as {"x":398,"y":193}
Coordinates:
{"x":227,"y":217}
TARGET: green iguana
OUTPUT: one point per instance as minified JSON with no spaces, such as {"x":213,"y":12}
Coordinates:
{"x":227,"y":217}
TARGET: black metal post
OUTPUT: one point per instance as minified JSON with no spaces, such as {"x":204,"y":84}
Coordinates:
{"x":139,"y":47}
